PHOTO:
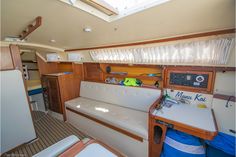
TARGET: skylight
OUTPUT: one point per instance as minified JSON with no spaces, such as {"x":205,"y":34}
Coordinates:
{"x":124,"y":6}
{"x":111,"y":10}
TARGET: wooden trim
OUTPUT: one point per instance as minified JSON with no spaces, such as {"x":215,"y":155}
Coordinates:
{"x":79,"y":146}
{"x":40,"y":56}
{"x":15,"y":54}
{"x":197,"y":70}
{"x":154,"y":148}
{"x":31,"y":28}
{"x":205,"y":134}
{"x":225,"y":97}
{"x":154,"y":105}
{"x":223,"y":69}
{"x":198,"y":35}
{"x":136,"y":137}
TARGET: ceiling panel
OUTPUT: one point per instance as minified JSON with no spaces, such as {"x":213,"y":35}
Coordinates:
{"x":65,"y":24}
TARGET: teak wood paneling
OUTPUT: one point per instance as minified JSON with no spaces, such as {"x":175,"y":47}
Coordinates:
{"x":64,"y":67}
{"x":54,"y":95}
{"x":6,"y":59}
{"x":61,"y":89}
{"x":10,"y":58}
{"x":78,"y":70}
{"x":69,"y":89}
{"x":45,"y":67}
{"x":15,"y":53}
{"x":92,"y":72}
{"x":137,"y":71}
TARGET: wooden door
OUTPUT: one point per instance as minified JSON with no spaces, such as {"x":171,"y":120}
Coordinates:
{"x":10,"y":58}
{"x":92,"y":72}
{"x":54,"y":94}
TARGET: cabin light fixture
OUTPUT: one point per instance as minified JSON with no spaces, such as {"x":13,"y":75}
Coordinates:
{"x":87,"y":29}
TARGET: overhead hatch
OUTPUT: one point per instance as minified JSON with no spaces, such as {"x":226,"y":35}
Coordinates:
{"x":102,"y":6}
{"x":111,"y":10}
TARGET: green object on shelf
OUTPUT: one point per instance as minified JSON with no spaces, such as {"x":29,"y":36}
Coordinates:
{"x":166,"y":95}
{"x":132,"y":82}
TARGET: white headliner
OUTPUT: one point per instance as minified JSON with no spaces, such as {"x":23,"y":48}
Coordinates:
{"x":65,"y":24}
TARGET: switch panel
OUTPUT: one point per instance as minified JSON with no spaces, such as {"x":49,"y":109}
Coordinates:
{"x":189,"y":79}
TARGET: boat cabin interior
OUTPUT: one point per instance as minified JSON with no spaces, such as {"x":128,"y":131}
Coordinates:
{"x":117,"y":78}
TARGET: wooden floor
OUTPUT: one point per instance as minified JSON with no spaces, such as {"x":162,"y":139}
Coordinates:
{"x":49,"y":130}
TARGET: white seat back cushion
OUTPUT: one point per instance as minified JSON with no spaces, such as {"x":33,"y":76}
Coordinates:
{"x":58,"y":148}
{"x":131,"y":97}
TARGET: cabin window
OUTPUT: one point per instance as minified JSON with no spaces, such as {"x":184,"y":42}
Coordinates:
{"x":212,"y":52}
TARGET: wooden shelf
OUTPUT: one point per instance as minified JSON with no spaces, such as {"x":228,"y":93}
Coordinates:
{"x":29,"y":61}
{"x":156,"y":78}
{"x":143,"y":86}
{"x":33,"y":69}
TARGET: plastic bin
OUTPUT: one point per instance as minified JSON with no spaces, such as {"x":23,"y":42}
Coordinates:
{"x":179,"y":144}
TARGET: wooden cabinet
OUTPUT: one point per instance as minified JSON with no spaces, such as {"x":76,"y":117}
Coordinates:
{"x":92,"y":72}
{"x":150,"y":75}
{"x":6,"y":60}
{"x":54,"y":94}
{"x":10,"y":58}
{"x":58,"y":88}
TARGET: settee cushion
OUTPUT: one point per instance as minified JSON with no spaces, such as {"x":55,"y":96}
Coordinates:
{"x":128,"y":119}
{"x":58,"y":148}
{"x":131,"y":97}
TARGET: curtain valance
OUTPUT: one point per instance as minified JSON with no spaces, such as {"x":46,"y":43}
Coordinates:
{"x":213,"y":51}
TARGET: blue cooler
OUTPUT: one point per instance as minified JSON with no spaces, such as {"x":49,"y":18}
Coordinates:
{"x":222,"y":145}
{"x":179,"y":144}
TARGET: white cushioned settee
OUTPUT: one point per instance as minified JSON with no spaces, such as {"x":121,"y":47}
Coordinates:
{"x":116,"y":115}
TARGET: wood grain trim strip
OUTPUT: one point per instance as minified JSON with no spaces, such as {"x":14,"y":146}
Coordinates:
{"x":155,"y":104}
{"x":205,"y":34}
{"x":136,"y":137}
{"x":224,"y":97}
{"x":80,"y":146}
{"x":223,"y":69}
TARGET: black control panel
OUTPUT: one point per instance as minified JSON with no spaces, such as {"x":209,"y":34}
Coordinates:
{"x":189,"y":79}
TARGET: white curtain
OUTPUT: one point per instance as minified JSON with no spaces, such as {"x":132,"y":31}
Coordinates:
{"x":214,"y":51}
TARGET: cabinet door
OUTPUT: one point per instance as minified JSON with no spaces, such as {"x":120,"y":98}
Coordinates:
{"x":10,"y":58}
{"x":92,"y":72}
{"x":54,"y":94}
